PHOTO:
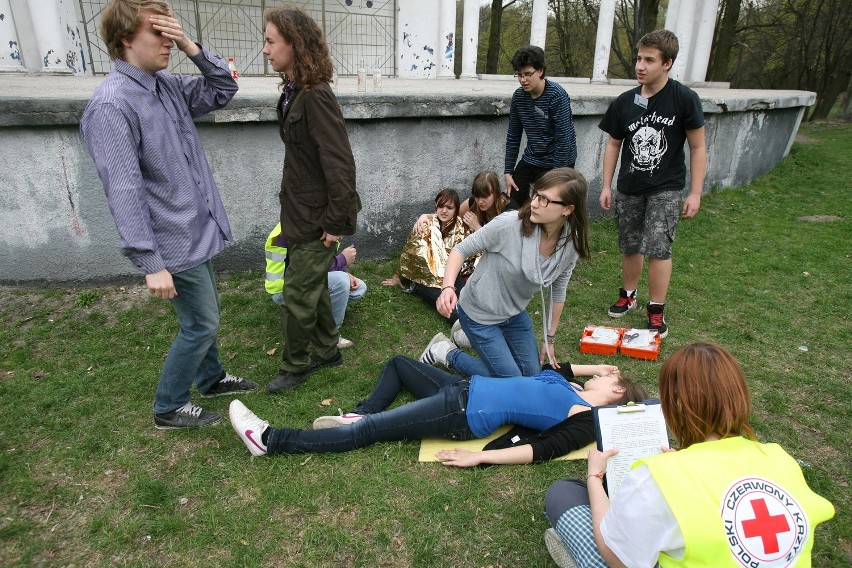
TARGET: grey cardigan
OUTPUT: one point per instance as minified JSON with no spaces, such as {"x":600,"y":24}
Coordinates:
{"x":510,"y":270}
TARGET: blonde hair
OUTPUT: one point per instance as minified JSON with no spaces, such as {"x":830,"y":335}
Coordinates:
{"x":121,"y":19}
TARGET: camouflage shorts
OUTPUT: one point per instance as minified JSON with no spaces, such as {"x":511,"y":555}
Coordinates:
{"x":647,"y":223}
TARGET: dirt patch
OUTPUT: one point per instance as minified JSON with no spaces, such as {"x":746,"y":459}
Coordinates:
{"x":805,"y":139}
{"x":820,"y":218}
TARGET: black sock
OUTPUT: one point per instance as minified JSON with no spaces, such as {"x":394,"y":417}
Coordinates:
{"x":264,"y":438}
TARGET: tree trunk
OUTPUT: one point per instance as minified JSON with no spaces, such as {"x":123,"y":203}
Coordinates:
{"x":494,"y":32}
{"x":647,"y":20}
{"x":723,"y":43}
{"x":825,"y":100}
{"x":844,"y":113}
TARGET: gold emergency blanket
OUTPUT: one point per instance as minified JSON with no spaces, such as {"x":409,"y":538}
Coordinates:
{"x":424,"y":256}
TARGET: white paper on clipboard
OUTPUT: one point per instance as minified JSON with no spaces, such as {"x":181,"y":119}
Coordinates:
{"x":637,"y":430}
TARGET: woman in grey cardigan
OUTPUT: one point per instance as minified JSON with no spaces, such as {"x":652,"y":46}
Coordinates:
{"x":524,"y":252}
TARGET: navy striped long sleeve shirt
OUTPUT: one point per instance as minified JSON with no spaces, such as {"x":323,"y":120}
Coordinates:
{"x":547,"y":121}
{"x":140,"y":132}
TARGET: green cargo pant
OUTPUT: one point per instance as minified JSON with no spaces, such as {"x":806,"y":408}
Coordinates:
{"x":306,"y":319}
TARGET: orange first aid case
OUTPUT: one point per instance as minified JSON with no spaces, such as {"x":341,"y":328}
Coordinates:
{"x":601,"y":340}
{"x":604,"y":340}
{"x":650,"y":352}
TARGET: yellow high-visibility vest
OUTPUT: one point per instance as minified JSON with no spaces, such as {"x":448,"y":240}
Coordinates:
{"x":739,"y":503}
{"x":276,"y":263}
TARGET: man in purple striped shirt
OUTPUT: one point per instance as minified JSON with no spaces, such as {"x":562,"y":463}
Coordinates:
{"x":170,"y":218}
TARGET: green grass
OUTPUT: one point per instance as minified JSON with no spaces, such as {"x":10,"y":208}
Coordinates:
{"x":85,"y":479}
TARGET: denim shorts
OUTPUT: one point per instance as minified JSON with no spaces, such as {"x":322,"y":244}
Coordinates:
{"x":647,"y":223}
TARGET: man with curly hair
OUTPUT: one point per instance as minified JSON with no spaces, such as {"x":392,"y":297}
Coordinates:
{"x":318,"y":198}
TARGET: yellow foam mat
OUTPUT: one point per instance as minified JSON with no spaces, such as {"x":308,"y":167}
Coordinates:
{"x":430,"y":446}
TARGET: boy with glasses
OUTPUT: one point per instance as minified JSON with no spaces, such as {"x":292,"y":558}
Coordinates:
{"x":541,"y":109}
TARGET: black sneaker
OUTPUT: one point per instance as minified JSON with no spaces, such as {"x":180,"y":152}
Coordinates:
{"x":187,"y":416}
{"x":286,"y":380}
{"x":656,"y":320}
{"x":335,"y":361}
{"x":229,"y":384}
{"x":623,"y":305}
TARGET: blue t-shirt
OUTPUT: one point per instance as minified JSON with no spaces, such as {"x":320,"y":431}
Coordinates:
{"x":533,"y":402}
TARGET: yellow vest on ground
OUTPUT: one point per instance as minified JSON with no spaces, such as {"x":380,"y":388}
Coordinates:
{"x":740,"y":504}
{"x":276,"y":263}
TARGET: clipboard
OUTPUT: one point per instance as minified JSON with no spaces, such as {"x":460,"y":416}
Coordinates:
{"x":638,"y":430}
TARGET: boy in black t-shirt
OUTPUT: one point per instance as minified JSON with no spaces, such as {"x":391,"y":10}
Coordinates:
{"x":648,"y":125}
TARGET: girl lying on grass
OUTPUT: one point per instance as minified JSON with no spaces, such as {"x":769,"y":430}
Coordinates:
{"x":456,"y":408}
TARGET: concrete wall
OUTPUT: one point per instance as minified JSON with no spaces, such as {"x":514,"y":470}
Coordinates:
{"x":55,"y":224}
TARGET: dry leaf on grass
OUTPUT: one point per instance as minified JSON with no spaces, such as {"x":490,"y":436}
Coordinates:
{"x":272,"y":351}
{"x":326,"y":402}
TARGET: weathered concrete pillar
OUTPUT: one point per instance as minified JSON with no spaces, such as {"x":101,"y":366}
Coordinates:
{"x":684,"y":30}
{"x":538,"y":30}
{"x":49,"y":36}
{"x":446,"y":39}
{"x":470,"y":33}
{"x":671,"y":15}
{"x":603,"y":42}
{"x":705,"y":25}
{"x":9,"y":60}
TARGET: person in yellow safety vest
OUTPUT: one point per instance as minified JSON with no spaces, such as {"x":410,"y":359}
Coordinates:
{"x":344,"y":288}
{"x":722,"y":500}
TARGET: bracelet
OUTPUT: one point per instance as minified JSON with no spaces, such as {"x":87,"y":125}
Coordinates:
{"x":445,"y":287}
{"x":599,"y":475}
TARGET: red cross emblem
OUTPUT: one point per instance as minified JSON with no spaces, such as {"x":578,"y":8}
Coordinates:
{"x":765,"y":526}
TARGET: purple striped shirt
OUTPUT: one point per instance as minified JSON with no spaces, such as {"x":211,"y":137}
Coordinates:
{"x":140,"y":132}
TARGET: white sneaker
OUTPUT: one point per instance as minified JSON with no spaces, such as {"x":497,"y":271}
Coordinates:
{"x":458,"y":336}
{"x":249,"y":427}
{"x":324,"y":422}
{"x":437,"y":350}
{"x":343,"y":343}
{"x":558,"y":551}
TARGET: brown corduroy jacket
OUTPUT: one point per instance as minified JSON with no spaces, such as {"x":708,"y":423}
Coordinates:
{"x":318,"y":184}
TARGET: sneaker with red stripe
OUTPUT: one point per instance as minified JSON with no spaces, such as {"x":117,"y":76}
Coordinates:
{"x":249,"y":427}
{"x":623,"y":305}
{"x":656,"y":319}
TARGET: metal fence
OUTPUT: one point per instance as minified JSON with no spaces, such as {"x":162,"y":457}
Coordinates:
{"x":356,"y":30}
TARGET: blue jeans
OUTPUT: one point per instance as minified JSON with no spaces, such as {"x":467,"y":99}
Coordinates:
{"x":506,"y":349}
{"x":341,"y":295}
{"x":194,"y":354}
{"x":439,"y":411}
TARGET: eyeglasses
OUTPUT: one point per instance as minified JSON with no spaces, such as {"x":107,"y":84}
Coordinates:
{"x":527,"y":75}
{"x":544,"y":201}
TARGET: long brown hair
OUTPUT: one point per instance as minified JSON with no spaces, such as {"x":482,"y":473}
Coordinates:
{"x":573,"y":190}
{"x":312,"y":60}
{"x":703,"y":392}
{"x":444,"y":196}
{"x":485,"y":184}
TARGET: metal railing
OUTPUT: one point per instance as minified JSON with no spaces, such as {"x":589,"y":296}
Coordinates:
{"x":356,"y":30}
